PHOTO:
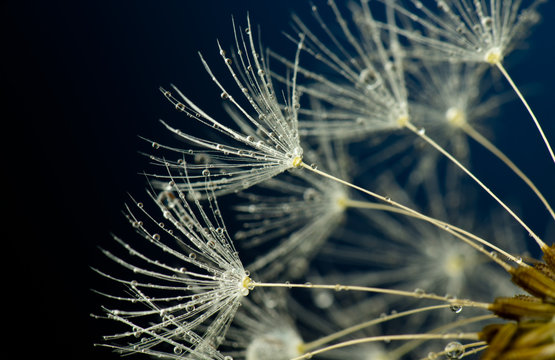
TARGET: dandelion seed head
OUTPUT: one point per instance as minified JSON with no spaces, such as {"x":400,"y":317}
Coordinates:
{"x":361,"y":86}
{"x":448,"y":100}
{"x":465,"y":31}
{"x":262,"y":138}
{"x":190,"y":292}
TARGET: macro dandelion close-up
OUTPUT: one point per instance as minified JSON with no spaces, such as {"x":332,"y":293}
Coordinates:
{"x":361,"y":179}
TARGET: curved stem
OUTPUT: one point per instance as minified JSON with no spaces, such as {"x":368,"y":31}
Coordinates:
{"x":475,"y":350}
{"x":515,"y":88}
{"x":479,"y":138}
{"x":326,"y":339}
{"x":406,"y":348}
{"x":467,"y":336}
{"x":478,"y":346}
{"x":423,"y":136}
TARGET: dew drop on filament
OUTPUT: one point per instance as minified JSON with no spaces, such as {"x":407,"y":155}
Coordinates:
{"x":454,"y":350}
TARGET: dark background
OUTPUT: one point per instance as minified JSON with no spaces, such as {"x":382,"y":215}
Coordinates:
{"x":81,"y":83}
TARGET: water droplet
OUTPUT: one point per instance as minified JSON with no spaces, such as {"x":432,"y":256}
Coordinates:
{"x":156,"y":237}
{"x":155,"y":145}
{"x":224,"y":95}
{"x":421,"y":131}
{"x":456,"y":308}
{"x":369,"y":79}
{"x":419,"y":292}
{"x":454,"y":350}
{"x":487,"y":22}
{"x":205,"y":172}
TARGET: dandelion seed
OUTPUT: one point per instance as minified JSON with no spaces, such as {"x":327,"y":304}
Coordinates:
{"x":444,"y":100}
{"x":267,"y":142}
{"x":365,"y":90}
{"x":461,"y":30}
{"x":187,"y":308}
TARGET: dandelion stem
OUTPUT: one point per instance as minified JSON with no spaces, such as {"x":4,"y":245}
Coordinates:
{"x":418,"y":215}
{"x":475,"y":350}
{"x":423,"y":136}
{"x":373,"y":206}
{"x":476,"y":345}
{"x":413,"y":294}
{"x":517,"y":91}
{"x":470,"y":131}
{"x":468,"y":336}
{"x":326,"y":339}
{"x":407,"y":347}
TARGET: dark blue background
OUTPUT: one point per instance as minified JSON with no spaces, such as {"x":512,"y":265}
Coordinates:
{"x":82,"y":79}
